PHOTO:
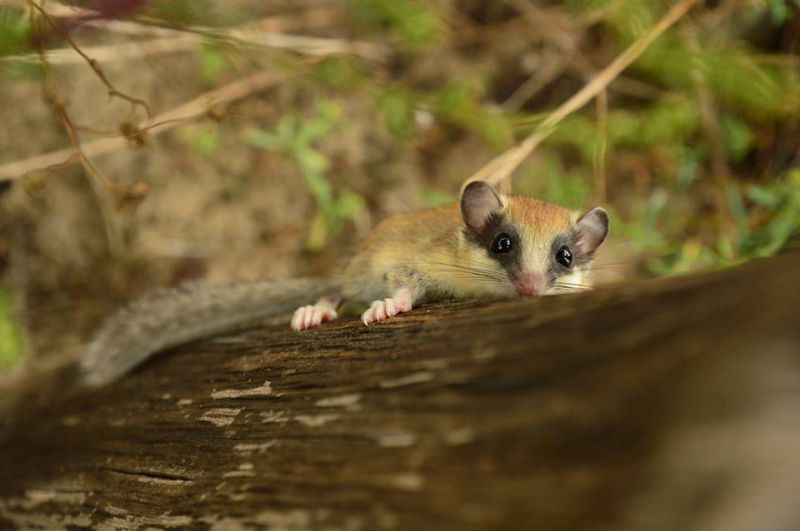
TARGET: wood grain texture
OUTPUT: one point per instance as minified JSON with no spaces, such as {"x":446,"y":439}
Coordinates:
{"x":661,"y":405}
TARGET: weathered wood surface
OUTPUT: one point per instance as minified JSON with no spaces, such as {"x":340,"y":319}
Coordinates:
{"x":665,"y":405}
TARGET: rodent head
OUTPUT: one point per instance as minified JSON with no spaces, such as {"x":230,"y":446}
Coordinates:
{"x":542,"y":247}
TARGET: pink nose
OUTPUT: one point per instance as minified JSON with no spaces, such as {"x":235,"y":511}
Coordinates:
{"x":529,"y":284}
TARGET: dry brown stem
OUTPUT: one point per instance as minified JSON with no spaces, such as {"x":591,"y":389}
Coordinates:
{"x":500,"y":168}
{"x":93,"y":64}
{"x":160,"y":123}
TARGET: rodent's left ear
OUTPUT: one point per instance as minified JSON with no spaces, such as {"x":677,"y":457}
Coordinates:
{"x":478,"y":202}
{"x":590,"y":231}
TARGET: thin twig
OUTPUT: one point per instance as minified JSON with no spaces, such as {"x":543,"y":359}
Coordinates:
{"x":158,"y":124}
{"x":110,"y":52}
{"x":500,"y":168}
{"x":600,"y":185}
{"x":720,"y":169}
{"x":552,"y":67}
{"x":54,"y":97}
{"x":253,"y":35}
{"x":93,"y":64}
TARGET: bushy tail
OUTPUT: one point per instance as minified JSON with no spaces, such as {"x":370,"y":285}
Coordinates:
{"x":170,"y":317}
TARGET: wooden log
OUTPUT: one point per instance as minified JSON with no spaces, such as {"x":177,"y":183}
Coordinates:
{"x":668,"y":404}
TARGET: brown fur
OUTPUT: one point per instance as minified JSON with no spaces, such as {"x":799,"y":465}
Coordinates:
{"x":427,"y":251}
{"x":407,"y":259}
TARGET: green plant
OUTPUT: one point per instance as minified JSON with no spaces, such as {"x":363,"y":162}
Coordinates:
{"x":15,"y":38}
{"x":295,"y":137}
{"x":10,"y":338}
{"x":415,"y":25}
{"x":204,"y":139}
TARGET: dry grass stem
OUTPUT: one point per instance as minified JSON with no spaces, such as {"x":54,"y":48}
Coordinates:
{"x":256,"y":34}
{"x":158,"y":124}
{"x":600,"y":184}
{"x":111,"y":52}
{"x":500,"y":168}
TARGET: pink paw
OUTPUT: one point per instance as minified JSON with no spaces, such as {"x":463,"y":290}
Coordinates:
{"x":383,"y":309}
{"x":312,"y":315}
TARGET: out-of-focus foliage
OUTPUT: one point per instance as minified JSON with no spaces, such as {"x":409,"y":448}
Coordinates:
{"x":15,"y":38}
{"x":413,"y":24}
{"x":295,"y":137}
{"x":14,"y":32}
{"x":10,"y":341}
{"x":695,"y":148}
{"x":698,"y":104}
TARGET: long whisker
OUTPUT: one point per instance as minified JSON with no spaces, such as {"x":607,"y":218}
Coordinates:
{"x":566,"y":283}
{"x":610,"y":266}
{"x":474,"y":271}
{"x":571,"y":286}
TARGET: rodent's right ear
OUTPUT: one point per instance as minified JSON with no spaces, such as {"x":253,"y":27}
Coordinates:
{"x":479,"y":202}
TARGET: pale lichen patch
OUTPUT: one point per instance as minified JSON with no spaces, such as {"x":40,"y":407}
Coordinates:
{"x":396,"y":440}
{"x":250,"y":448}
{"x":221,"y":416}
{"x":433,"y":365}
{"x":71,"y":421}
{"x":26,"y":520}
{"x":271,"y":416}
{"x":38,"y":496}
{"x":458,"y":437}
{"x":484,"y":354}
{"x":125,"y":520}
{"x":244,"y":470}
{"x":185,"y":402}
{"x":407,"y":481}
{"x":297,"y":519}
{"x":315,"y":421}
{"x":346,"y":401}
{"x":293,"y":520}
{"x":262,"y":390}
{"x":152,"y":480}
{"x":411,"y":379}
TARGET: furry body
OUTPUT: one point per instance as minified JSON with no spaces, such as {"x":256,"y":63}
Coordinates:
{"x":489,"y":246}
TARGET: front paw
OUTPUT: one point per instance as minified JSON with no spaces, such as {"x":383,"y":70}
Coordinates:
{"x":381,"y":310}
{"x":311,"y":316}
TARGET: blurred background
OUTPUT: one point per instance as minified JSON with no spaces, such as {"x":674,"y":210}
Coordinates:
{"x":244,"y":139}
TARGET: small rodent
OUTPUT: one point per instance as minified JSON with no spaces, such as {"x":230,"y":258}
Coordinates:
{"x":489,"y":246}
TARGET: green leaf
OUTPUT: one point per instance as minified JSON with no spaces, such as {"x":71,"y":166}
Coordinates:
{"x":349,"y":204}
{"x":763,"y":196}
{"x":312,"y":162}
{"x":456,"y":102}
{"x":496,"y":129}
{"x":10,"y":336}
{"x":737,"y":136}
{"x":15,"y":35}
{"x":397,"y":111}
{"x":312,"y":130}
{"x":340,"y":73}
{"x":264,"y":139}
{"x":431,"y":197}
{"x":414,"y":24}
{"x":738,"y":210}
{"x":205,"y":140}
{"x":212,"y":62}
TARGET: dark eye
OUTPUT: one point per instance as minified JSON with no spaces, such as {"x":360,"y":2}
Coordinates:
{"x":564,"y":256}
{"x":502,"y":244}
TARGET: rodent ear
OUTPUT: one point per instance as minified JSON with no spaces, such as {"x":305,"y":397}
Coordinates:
{"x":590,"y":230}
{"x":478,"y":202}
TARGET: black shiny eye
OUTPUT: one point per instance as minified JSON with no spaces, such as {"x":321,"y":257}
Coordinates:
{"x":564,"y":256}
{"x":502,"y":244}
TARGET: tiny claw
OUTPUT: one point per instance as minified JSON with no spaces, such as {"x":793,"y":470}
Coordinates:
{"x":311,"y":316}
{"x":381,"y":310}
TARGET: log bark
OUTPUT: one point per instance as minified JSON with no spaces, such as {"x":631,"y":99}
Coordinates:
{"x":667,"y":404}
